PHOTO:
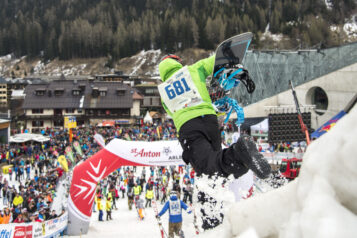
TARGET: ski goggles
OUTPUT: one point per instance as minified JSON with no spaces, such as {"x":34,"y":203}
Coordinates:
{"x":170,"y":56}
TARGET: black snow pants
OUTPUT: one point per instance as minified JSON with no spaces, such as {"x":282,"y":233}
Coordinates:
{"x":200,"y":139}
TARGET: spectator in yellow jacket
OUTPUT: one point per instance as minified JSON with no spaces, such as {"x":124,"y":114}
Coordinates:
{"x":100,"y":208}
{"x":18,"y":200}
{"x":149,"y":196}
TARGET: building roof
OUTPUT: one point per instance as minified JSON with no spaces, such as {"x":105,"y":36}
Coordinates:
{"x":85,"y":99}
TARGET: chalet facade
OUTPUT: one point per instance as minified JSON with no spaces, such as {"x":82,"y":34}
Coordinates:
{"x":91,"y":102}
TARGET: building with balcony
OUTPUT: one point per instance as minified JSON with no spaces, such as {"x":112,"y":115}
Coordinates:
{"x":151,"y":98}
{"x":91,"y":102}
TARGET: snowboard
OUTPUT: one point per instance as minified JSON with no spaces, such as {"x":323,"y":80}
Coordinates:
{"x":230,"y":55}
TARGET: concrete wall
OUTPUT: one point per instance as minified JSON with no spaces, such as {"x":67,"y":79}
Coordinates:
{"x":340,"y":87}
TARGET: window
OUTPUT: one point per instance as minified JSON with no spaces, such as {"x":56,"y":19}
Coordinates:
{"x":40,"y":92}
{"x":58,"y":123}
{"x":103,"y":93}
{"x":58,"y":92}
{"x":37,"y":123}
{"x":69,"y":110}
{"x":37,"y":111}
{"x":75,"y":92}
{"x":79,"y":110}
{"x":121,"y":91}
{"x":149,"y":91}
{"x":318,"y":97}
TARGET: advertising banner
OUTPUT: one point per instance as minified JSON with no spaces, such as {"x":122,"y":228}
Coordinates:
{"x":70,"y":122}
{"x":45,"y":229}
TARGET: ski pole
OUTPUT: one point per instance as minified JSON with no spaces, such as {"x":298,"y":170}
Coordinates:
{"x":162,"y":231}
{"x":195,"y":220}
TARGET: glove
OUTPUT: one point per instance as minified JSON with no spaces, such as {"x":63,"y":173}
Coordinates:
{"x":157,"y":217}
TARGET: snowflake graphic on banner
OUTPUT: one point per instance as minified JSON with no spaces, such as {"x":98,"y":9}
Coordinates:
{"x":91,"y":185}
{"x":166,"y":151}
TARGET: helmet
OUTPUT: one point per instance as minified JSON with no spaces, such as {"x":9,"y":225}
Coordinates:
{"x":173,"y":193}
{"x":171,"y":56}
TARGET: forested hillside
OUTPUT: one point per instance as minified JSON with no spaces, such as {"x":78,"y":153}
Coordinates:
{"x":120,"y":28}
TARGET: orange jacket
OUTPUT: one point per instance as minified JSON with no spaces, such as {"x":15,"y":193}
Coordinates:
{"x":6,"y":219}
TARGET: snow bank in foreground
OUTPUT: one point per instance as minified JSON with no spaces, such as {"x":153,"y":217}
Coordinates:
{"x":320,"y":203}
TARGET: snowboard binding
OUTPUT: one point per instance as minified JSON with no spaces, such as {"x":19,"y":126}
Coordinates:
{"x":229,"y":76}
{"x":226,"y":106}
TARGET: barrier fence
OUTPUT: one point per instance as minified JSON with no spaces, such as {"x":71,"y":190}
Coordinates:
{"x":46,"y":229}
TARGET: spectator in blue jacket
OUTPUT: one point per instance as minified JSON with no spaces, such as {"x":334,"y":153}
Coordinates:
{"x":174,"y":205}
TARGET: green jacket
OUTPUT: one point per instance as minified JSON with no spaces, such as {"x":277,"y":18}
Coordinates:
{"x":199,"y":72}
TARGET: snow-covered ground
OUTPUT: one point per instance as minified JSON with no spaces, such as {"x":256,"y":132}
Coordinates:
{"x":322,"y":202}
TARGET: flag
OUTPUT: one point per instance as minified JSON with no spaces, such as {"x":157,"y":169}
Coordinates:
{"x":78,"y":148}
{"x":158,"y":132}
{"x":100,"y":140}
{"x":63,"y":162}
{"x":69,"y":154}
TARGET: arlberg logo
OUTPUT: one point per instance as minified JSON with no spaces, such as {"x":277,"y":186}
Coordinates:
{"x":166,"y":151}
{"x":143,"y":153}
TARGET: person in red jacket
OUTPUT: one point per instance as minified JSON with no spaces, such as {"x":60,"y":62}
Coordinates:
{"x":19,"y":219}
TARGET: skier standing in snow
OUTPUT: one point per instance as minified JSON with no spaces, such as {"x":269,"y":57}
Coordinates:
{"x":174,"y":205}
{"x":186,"y":99}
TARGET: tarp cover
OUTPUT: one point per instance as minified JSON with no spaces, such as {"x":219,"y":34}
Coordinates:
{"x":24,"y":137}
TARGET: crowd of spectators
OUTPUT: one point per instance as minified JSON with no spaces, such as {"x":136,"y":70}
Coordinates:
{"x":29,"y":188}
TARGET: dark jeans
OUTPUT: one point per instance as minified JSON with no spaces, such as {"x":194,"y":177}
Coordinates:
{"x":148,"y":202}
{"x":100,"y":216}
{"x":200,"y":139}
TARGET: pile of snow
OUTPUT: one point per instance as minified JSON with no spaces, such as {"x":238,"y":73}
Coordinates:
{"x":149,"y":57}
{"x":268,"y":35}
{"x":6,"y":58}
{"x":351,"y":27}
{"x":320,"y":203}
{"x":329,"y":4}
{"x":39,"y":67}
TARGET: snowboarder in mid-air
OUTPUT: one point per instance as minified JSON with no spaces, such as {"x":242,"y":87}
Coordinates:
{"x":174,"y":205}
{"x":186,"y":99}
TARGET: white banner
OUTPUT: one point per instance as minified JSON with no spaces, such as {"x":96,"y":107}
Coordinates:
{"x":156,"y":153}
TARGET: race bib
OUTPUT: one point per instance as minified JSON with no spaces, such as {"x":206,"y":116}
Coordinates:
{"x":175,"y":207}
{"x":179,"y":91}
